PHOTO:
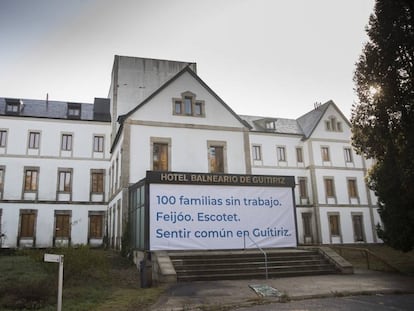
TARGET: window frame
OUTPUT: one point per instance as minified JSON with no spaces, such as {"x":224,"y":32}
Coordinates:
{"x":100,"y":182}
{"x":257,"y":152}
{"x":270,"y":125}
{"x":325,"y":154}
{"x":332,"y":124}
{"x":303,"y":187}
{"x":64,"y":213}
{"x":66,"y":143}
{"x":2,"y":180}
{"x":334,"y":227}
{"x":211,"y":166}
{"x":33,"y":184}
{"x":3,"y":138}
{"x":188,"y":105}
{"x":74,"y":111}
{"x":30,"y":223}
{"x":66,"y":172}
{"x":299,"y":155}
{"x":98,"y":143}
{"x":155,"y":143}
{"x":348,"y":155}
{"x":329,"y":185}
{"x":92,"y":230}
{"x":352,"y":187}
{"x":12,"y":106}
{"x":362,"y":237}
{"x":33,"y":141}
{"x":281,"y":153}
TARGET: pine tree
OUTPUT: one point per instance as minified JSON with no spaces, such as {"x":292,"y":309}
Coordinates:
{"x":383,"y":120}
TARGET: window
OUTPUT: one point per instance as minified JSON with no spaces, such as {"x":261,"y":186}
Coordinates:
{"x":96,"y":225}
{"x":352,"y":188}
{"x":325,"y":154}
{"x":281,"y":154}
{"x":307,"y":224}
{"x":187,"y":105}
{"x":348,"y":155}
{"x":303,"y":189}
{"x":12,"y":106}
{"x":3,"y":138}
{"x":160,"y":157}
{"x":30,"y":179}
{"x":333,"y":125}
{"x":216,"y":159}
{"x":299,"y":155}
{"x":1,"y":179}
{"x":27,"y":223}
{"x":357,"y":223}
{"x":328,"y":125}
{"x":65,"y":181}
{"x":334,"y":225}
{"x":257,"y":153}
{"x":34,"y":139}
{"x":329,"y":187}
{"x":177,"y":107}
{"x":271,"y":125}
{"x":198,"y":109}
{"x":98,"y":143}
{"x":97,"y":181}
{"x":62,"y":224}
{"x":66,"y":142}
{"x":74,"y":111}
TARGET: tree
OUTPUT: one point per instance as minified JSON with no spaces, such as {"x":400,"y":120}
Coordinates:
{"x":383,"y":120}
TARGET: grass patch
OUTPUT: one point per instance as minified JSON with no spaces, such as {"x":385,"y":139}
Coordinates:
{"x":93,"y":280}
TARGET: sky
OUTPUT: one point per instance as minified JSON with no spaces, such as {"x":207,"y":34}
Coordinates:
{"x":272,"y":58}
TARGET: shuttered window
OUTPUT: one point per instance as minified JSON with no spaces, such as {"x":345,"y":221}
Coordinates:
{"x":27,"y":224}
{"x":62,"y":228}
{"x":96,"y":226}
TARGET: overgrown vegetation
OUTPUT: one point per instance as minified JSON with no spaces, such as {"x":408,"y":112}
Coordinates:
{"x":93,"y":280}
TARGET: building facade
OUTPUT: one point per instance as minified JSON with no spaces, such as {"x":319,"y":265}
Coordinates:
{"x":66,"y":168}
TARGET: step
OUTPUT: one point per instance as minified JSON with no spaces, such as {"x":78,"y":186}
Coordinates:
{"x":244,"y":275}
{"x":216,"y":265}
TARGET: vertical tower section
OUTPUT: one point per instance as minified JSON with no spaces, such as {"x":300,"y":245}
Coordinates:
{"x":133,"y":79}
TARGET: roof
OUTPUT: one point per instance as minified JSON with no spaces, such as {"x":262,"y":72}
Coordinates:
{"x":281,"y":125}
{"x":304,"y":125}
{"x":310,"y":120}
{"x":50,"y":109}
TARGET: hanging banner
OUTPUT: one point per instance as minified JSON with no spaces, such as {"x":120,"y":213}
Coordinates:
{"x":208,"y":217}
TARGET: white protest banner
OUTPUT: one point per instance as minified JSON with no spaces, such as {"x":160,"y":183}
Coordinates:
{"x":188,"y":217}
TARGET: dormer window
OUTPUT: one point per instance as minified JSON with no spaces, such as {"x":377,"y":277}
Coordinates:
{"x":12,"y":106}
{"x":333,"y":125}
{"x":187,"y":105}
{"x":74,"y":111}
{"x":271,"y":125}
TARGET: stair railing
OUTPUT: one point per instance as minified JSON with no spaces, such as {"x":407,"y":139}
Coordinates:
{"x":263,"y":252}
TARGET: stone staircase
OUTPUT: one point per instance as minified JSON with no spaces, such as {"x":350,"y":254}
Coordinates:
{"x":248,"y":264}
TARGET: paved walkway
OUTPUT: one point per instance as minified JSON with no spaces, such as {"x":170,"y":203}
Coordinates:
{"x":215,"y":294}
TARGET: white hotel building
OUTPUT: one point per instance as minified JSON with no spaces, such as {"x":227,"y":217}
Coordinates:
{"x":66,"y":168}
